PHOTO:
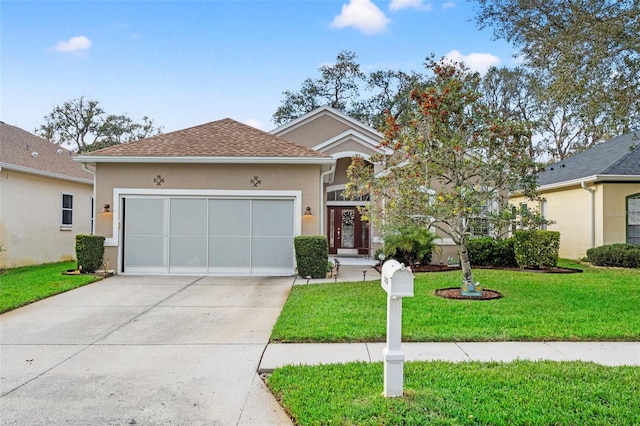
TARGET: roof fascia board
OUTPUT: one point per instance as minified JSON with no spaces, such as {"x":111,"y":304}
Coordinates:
{"x":43,"y":173}
{"x":204,"y":160}
{"x":325,"y":110}
{"x":589,"y":179}
{"x":356,"y":137}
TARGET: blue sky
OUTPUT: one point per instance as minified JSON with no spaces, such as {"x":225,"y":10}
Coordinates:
{"x":184,"y":63}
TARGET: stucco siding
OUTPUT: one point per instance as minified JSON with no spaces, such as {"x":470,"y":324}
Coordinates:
{"x":318,"y":130}
{"x":614,"y":211}
{"x":30,"y":218}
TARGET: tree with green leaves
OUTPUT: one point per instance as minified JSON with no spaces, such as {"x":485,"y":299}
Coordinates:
{"x":84,"y":126}
{"x":585,"y":55}
{"x":453,"y":163}
{"x":340,"y":85}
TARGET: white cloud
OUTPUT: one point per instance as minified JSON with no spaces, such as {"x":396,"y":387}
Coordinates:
{"x":363,"y":15}
{"x":73,"y":44}
{"x":479,"y":62}
{"x":408,"y":4}
{"x":253,"y":122}
{"x":448,"y":4}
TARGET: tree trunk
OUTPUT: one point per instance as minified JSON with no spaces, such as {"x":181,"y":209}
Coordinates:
{"x":468,"y":287}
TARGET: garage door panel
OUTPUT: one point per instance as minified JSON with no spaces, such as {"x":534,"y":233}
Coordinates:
{"x":188,"y":250}
{"x":272,"y":218}
{"x":146,"y":251}
{"x":188,"y":216}
{"x":274,"y":252}
{"x":229,"y":251}
{"x":229,"y":217}
{"x":145,"y":216}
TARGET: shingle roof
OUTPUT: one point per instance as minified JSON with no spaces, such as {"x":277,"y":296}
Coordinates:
{"x":31,"y":153}
{"x":619,"y":156}
{"x":222,"y":138}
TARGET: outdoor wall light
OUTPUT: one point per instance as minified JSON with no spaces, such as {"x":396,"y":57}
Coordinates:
{"x":307,"y":211}
{"x":106,"y":208}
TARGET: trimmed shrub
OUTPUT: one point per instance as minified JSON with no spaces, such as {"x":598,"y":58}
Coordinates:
{"x":621,"y":255}
{"x":89,"y":252}
{"x":410,"y":245}
{"x":486,"y":251}
{"x":536,"y":248}
{"x":312,"y":255}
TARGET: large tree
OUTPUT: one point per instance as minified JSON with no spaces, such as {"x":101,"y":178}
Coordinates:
{"x":453,"y":162}
{"x":84,"y":126}
{"x":340,"y":86}
{"x":586,"y":57}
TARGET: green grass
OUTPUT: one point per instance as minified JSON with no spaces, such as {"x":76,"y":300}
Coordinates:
{"x":596,"y":305}
{"x":470,"y":393}
{"x":21,"y":286}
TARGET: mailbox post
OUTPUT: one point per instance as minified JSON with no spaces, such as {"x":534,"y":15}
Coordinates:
{"x":397,"y":281}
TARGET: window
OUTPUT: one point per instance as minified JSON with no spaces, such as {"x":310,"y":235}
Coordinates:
{"x":338,"y":195}
{"x":633,"y":219}
{"x":67,"y":210}
{"x":543,"y":213}
{"x":480,"y":226}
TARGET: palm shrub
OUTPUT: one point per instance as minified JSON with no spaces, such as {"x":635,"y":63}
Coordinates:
{"x":410,"y":245}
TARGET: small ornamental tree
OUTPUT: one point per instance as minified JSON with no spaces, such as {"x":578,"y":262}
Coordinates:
{"x":453,"y":163}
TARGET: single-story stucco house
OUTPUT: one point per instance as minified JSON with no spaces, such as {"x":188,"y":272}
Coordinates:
{"x":220,"y":198}
{"x":593,"y":197}
{"x":45,"y":200}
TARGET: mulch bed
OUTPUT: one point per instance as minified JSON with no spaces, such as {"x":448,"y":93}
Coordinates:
{"x":455,"y":293}
{"x":445,"y":268}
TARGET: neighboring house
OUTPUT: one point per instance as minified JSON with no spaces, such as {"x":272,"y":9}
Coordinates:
{"x":45,"y":200}
{"x":221,"y":198}
{"x":593,"y":197}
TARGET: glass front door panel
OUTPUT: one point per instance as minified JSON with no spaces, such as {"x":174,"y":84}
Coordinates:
{"x":348,"y":228}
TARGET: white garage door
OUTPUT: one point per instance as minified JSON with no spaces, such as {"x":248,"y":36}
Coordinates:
{"x":216,"y":236}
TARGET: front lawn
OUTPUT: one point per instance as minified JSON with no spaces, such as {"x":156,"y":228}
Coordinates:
{"x":21,"y":286}
{"x":469,"y":393}
{"x":596,"y":305}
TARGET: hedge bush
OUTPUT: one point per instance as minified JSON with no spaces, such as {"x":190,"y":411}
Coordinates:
{"x":536,"y":248}
{"x":312,"y":255}
{"x":621,"y":255}
{"x":89,"y":252}
{"x":486,"y":251}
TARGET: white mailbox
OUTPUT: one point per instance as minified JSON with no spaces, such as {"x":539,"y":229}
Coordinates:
{"x":397,"y":280}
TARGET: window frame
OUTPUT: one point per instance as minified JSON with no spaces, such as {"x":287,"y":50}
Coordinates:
{"x":627,"y":216}
{"x":64,"y":209}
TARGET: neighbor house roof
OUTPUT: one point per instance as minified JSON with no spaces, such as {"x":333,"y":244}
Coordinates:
{"x":618,"y":159}
{"x":26,"y":152}
{"x":219,"y":141}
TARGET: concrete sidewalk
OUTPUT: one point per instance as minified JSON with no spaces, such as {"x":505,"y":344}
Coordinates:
{"x":605,"y":353}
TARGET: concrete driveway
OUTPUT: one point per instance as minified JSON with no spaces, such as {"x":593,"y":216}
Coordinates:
{"x":142,"y":350}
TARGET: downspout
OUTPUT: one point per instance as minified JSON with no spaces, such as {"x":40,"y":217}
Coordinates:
{"x":93,"y":172}
{"x":593,"y":212}
{"x":321,"y":204}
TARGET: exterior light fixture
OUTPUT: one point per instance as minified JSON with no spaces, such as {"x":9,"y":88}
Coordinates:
{"x":307,"y":211}
{"x":106,"y":208}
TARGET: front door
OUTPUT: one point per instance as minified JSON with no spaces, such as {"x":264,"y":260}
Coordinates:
{"x":347,"y":233}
